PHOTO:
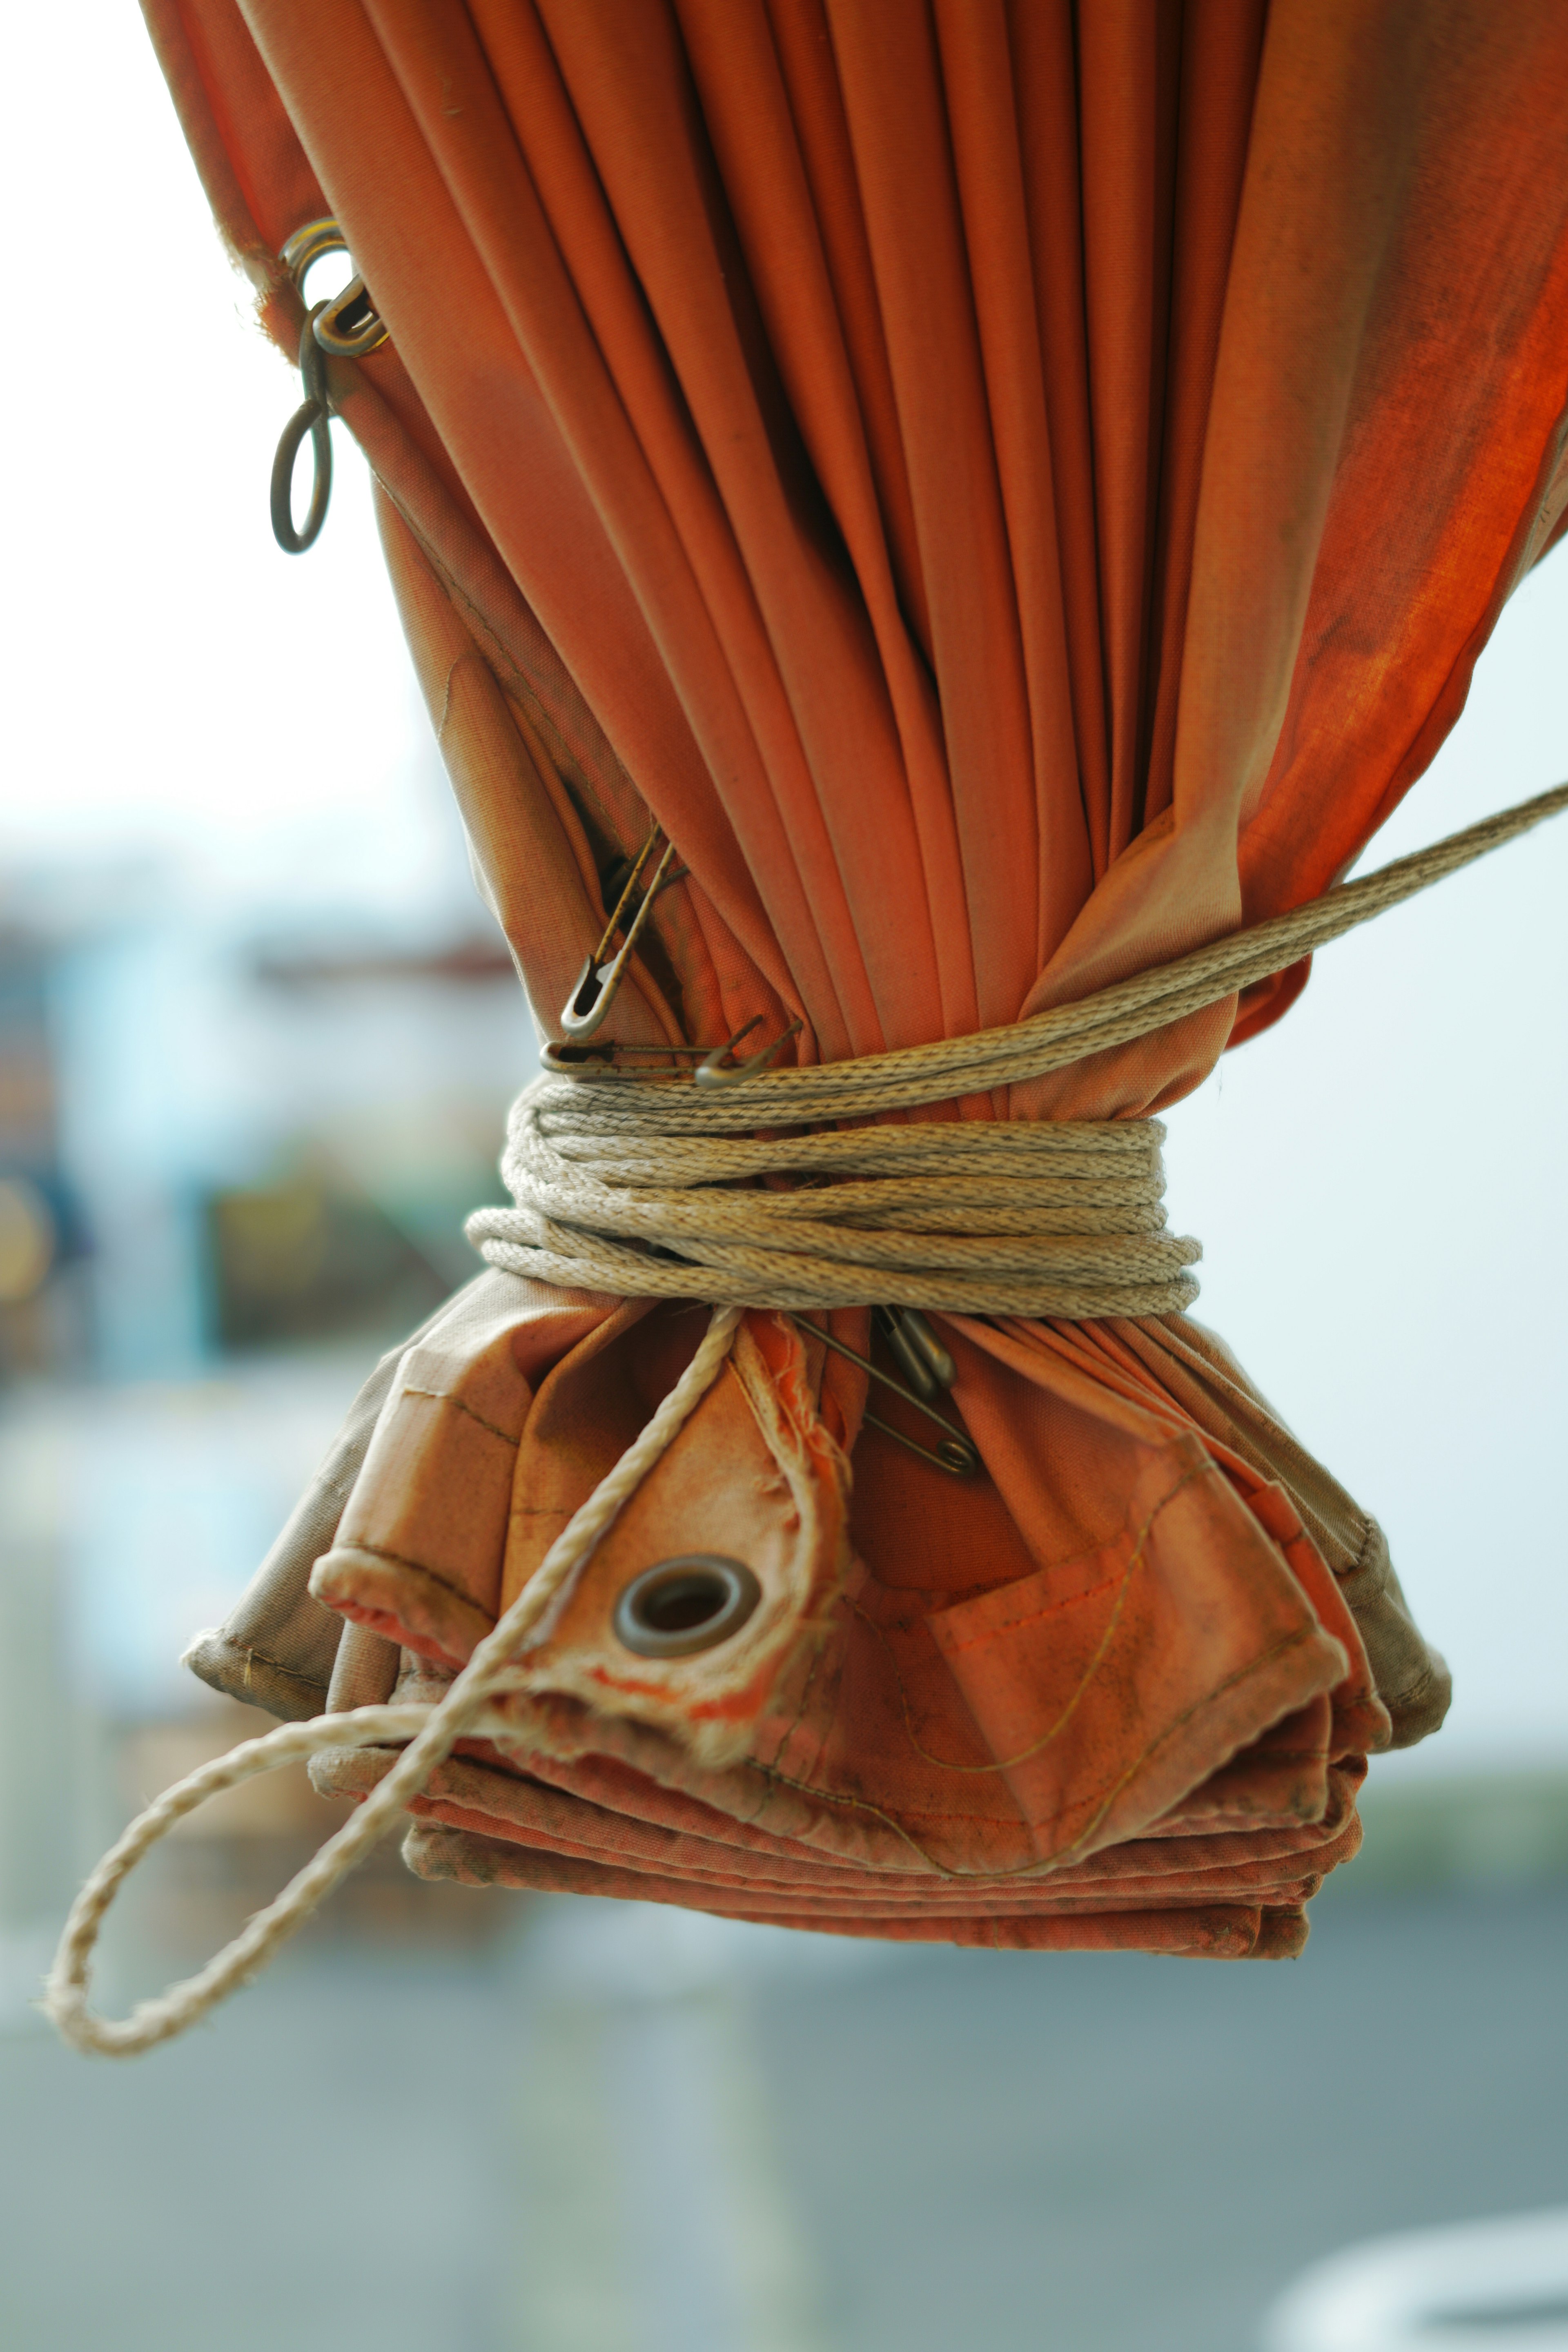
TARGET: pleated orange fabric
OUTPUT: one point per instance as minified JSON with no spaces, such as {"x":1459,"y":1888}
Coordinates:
{"x":1013,"y":491}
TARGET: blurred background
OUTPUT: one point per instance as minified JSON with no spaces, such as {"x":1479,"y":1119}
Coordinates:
{"x":257,"y":1039}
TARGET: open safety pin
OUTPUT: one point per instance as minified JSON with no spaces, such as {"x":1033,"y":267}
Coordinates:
{"x":713,"y":1070}
{"x":590,"y":1000}
{"x":916,"y":1349}
{"x":955,"y":1452}
{"x":577,"y":1060}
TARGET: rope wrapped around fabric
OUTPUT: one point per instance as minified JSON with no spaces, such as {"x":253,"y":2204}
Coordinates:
{"x":979,"y":1219}
{"x":653,"y":1187}
{"x":1082,"y":1201}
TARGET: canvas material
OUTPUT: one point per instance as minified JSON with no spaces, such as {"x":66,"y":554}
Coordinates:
{"x":954,"y":467}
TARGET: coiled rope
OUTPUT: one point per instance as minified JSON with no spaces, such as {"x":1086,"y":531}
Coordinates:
{"x":1029,"y":1218}
{"x":1094,"y":1184}
{"x":978,"y":1219}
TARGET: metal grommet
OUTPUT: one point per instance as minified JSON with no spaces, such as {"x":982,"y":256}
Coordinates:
{"x":310,"y":244}
{"x":348,"y":325}
{"x":680,"y":1606}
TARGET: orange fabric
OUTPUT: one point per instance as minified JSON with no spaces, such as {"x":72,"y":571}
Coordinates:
{"x":1013,"y":491}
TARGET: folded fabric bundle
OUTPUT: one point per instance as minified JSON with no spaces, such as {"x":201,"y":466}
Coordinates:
{"x":1147,"y":1731}
{"x":910,"y":517}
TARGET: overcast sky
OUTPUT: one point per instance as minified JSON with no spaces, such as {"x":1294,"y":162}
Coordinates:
{"x":184,"y":684}
{"x":1377,"y":1184}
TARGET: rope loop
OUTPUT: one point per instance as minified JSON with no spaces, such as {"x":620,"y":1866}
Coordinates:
{"x":432,"y":1732}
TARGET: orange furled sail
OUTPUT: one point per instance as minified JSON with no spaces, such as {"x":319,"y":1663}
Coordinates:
{"x":992,"y":498}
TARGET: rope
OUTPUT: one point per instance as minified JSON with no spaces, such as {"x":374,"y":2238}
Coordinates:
{"x":1068,"y":1213}
{"x":956,"y":1067}
{"x":625,"y":1183}
{"x":993,"y":1219}
{"x":433,"y":1732}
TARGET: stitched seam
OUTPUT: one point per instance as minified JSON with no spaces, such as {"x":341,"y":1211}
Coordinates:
{"x":1427,"y":1679}
{"x":1030,"y":1617}
{"x":1367,"y":1553}
{"x":439,"y":1396}
{"x":787,"y":1733}
{"x":249,"y":1650}
{"x":1287,"y":1756}
{"x":1008,"y":1763}
{"x":1058,"y":1567}
{"x":401,"y":1560}
{"x":1108,"y":1790}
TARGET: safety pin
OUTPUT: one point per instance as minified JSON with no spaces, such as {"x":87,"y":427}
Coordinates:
{"x":711,"y":1071}
{"x":915,"y":1348}
{"x":596,"y":1061}
{"x":577,"y":1060}
{"x":956,"y":1454}
{"x":590,"y":1000}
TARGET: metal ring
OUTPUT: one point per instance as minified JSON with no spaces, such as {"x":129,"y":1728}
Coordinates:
{"x":680,"y":1606}
{"x":310,"y":418}
{"x":308,"y":244}
{"x":347,"y":324}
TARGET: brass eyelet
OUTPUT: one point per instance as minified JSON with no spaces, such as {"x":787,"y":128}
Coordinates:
{"x":309,"y":244}
{"x":348,"y":325}
{"x":681,"y":1606}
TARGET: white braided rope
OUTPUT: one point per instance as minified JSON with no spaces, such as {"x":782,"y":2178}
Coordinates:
{"x":464,"y":1713}
{"x":1042,"y":1218}
{"x":976,"y":1218}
